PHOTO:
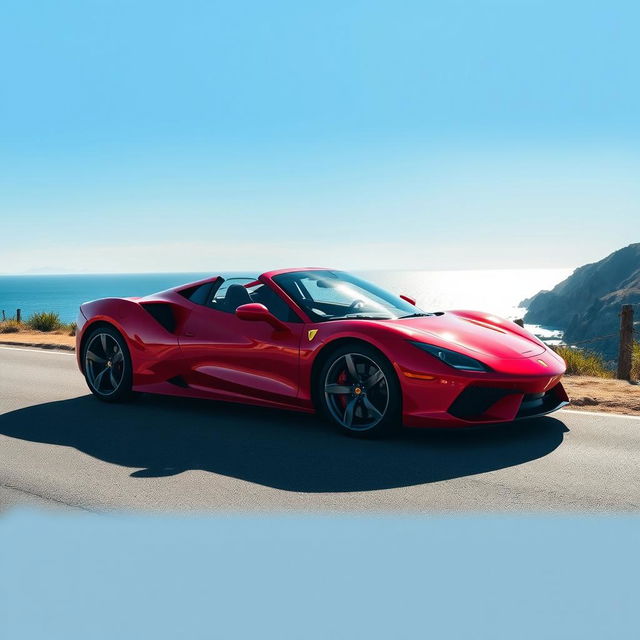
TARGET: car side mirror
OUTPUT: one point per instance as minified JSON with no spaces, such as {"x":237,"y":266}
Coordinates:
{"x":408,"y":299}
{"x":256,"y":312}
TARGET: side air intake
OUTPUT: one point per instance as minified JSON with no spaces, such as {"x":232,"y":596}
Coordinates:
{"x":162,"y":313}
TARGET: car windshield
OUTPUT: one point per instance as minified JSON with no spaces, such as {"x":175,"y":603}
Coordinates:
{"x":332,"y":295}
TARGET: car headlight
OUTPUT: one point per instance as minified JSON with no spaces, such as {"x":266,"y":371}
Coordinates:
{"x":452,"y":358}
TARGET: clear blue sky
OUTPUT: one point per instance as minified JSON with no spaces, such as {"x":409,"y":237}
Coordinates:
{"x":195,"y":136}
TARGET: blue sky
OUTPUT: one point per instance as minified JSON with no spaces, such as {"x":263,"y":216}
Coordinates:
{"x":197,"y":136}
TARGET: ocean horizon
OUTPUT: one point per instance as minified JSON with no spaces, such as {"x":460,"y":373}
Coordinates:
{"x":498,"y":291}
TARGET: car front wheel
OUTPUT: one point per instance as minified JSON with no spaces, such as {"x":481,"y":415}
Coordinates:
{"x":359,"y":391}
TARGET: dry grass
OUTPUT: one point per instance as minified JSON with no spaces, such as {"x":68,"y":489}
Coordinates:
{"x":635,"y":367}
{"x":44,"y":322}
{"x":10,"y":326}
{"x":584,"y":363}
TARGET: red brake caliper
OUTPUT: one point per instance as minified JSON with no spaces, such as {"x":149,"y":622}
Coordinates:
{"x":342,"y":379}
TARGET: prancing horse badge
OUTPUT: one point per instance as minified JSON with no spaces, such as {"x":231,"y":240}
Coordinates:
{"x":312,"y":334}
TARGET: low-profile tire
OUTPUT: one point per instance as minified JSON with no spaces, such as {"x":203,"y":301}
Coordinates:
{"x":358,"y":391}
{"x":107,"y":366}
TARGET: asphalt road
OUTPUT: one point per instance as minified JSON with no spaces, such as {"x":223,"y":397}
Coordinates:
{"x":61,"y":448}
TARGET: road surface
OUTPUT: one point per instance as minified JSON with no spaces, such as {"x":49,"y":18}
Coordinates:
{"x":62,"y":448}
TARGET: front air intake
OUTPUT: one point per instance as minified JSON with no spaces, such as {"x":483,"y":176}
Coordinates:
{"x":474,"y":402}
{"x":539,"y":403}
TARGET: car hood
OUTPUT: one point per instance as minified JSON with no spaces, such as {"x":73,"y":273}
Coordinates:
{"x":472,"y":332}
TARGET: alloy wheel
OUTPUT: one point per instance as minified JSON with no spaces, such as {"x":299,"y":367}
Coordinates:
{"x":356,"y":392}
{"x":104,"y":364}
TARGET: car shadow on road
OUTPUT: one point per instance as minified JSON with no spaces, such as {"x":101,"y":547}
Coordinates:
{"x":161,"y":436}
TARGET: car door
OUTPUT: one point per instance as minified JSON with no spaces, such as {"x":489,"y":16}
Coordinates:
{"x":231,"y":358}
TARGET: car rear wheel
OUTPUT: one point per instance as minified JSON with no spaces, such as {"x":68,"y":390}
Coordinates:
{"x":359,"y":391}
{"x":107,"y":365}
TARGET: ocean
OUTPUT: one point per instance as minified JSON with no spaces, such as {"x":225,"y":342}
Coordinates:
{"x":495,"y":291}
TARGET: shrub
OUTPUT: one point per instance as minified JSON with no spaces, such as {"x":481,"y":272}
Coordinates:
{"x":10,"y":326}
{"x":44,"y":321}
{"x":72,"y":328}
{"x":584,"y":363}
{"x":635,"y":362}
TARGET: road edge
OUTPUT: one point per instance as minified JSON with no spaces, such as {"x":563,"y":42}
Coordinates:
{"x":37,"y":345}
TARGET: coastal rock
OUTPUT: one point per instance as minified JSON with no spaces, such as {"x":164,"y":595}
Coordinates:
{"x":586,"y":305}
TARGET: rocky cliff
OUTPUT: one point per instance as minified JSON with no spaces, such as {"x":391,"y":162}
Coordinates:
{"x":587,"y":303}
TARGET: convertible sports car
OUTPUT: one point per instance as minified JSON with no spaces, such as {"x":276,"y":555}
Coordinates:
{"x":319,"y":340}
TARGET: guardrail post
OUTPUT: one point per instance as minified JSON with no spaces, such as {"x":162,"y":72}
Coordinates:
{"x":18,"y":315}
{"x":625,"y":350}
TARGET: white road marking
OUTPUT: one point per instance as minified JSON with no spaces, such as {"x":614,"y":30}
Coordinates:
{"x":59,"y":352}
{"x":599,"y":413}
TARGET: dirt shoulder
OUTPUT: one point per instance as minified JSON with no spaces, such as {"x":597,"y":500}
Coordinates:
{"x":586,"y":393}
{"x":602,"y":394}
{"x":48,"y":340}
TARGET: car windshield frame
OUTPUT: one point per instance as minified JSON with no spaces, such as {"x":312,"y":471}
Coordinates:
{"x":348,"y":289}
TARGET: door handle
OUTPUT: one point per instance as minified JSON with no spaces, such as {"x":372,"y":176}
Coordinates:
{"x":188,"y":334}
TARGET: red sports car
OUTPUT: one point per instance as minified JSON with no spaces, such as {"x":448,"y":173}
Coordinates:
{"x":319,"y":340}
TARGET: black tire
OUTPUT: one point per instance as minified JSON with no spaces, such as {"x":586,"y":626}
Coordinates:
{"x":358,"y":391}
{"x":106,"y":363}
